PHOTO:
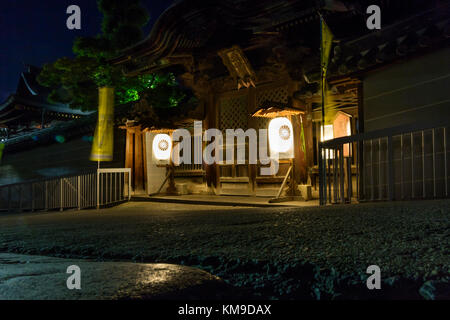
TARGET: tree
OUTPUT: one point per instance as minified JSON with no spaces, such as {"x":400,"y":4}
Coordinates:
{"x":75,"y":80}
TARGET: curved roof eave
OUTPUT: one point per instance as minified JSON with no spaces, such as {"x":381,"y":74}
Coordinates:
{"x":143,"y":44}
{"x":7,"y":102}
{"x":32,"y":91}
{"x":169,"y":30}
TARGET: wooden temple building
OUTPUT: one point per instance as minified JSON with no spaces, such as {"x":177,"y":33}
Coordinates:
{"x":249,"y":61}
{"x":28,"y":109}
{"x":385,"y":130}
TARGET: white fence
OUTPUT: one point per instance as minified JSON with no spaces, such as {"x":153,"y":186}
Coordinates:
{"x":96,"y":189}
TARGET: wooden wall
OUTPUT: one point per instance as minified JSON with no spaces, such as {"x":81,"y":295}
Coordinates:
{"x":415,"y":90}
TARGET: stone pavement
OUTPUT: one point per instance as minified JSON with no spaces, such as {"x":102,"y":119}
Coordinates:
{"x":43,"y":278}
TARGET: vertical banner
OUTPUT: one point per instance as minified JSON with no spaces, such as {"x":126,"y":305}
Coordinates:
{"x":326,"y":43}
{"x":102,"y":146}
{"x":302,"y":137}
{"x":325,"y":49}
{"x":2,"y":146}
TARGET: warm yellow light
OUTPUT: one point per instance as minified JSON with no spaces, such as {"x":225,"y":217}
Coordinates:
{"x":281,"y":138}
{"x":162,"y":146}
{"x":326,"y":133}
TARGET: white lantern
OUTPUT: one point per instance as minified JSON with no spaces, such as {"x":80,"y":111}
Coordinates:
{"x":162,"y":148}
{"x":281,"y":138}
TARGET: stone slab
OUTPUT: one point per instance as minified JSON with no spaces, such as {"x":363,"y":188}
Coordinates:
{"x":45,"y":278}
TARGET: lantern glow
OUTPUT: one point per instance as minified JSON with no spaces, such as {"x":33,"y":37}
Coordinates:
{"x":162,"y":146}
{"x":326,"y":132}
{"x":281,"y":138}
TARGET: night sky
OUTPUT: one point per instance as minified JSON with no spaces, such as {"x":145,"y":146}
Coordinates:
{"x":35,"y":32}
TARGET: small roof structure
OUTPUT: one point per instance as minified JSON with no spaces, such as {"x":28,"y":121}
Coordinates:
{"x":272,"y":109}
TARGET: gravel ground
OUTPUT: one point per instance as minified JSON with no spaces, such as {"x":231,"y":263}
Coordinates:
{"x":273,"y":252}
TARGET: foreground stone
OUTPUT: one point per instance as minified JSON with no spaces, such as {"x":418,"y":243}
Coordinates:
{"x":43,"y":278}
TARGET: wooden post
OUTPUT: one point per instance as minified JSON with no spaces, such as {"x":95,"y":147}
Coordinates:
{"x":144,"y":158}
{"x":138,"y":161}
{"x":299,"y":164}
{"x":308,"y":129}
{"x":129,"y":146}
{"x":212,"y":174}
{"x":390,"y":163}
{"x":360,"y":149}
{"x":252,"y":168}
{"x":134,"y":157}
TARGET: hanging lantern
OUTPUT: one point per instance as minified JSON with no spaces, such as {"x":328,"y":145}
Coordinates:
{"x":281,"y":138}
{"x":162,"y":148}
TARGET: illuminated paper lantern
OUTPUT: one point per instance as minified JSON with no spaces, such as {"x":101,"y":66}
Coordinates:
{"x":162,"y":148}
{"x":281,"y":138}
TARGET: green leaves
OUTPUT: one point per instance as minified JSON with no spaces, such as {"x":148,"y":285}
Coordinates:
{"x":94,"y":47}
{"x":122,"y":22}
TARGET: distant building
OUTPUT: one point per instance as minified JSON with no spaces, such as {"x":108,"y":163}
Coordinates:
{"x":43,"y":139}
{"x":28,"y":109}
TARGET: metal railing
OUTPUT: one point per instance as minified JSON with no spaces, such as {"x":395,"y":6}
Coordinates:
{"x":400,"y":163}
{"x":89,"y":190}
{"x":114,"y":185}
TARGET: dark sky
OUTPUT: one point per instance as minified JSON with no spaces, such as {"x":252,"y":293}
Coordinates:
{"x":34,"y":32}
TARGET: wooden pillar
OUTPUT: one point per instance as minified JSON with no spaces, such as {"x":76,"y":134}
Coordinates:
{"x":134,"y":157}
{"x":309,"y":138}
{"x":299,"y":163}
{"x":210,"y":122}
{"x":360,"y":150}
{"x":309,"y":141}
{"x":144,"y":158}
{"x":252,"y":168}
{"x":138,"y":161}
{"x":129,"y":146}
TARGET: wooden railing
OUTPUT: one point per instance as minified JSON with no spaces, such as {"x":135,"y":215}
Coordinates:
{"x":189,"y":170}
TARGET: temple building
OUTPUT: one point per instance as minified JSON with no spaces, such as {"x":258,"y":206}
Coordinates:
{"x":250,"y":62}
{"x":377,"y":129}
{"x":28,"y":109}
{"x":43,"y":139}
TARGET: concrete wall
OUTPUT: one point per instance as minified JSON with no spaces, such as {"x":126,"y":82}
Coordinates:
{"x":415,"y":90}
{"x":57,"y":159}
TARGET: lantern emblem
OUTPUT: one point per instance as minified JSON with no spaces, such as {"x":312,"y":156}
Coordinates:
{"x":163,"y":145}
{"x":285,"y":132}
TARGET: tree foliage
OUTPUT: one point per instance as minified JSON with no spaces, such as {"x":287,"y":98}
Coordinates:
{"x":75,"y":81}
